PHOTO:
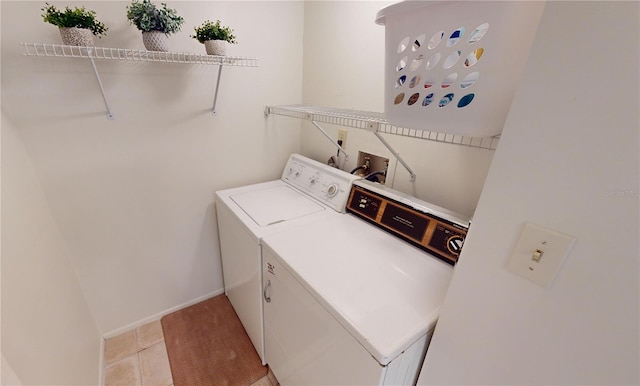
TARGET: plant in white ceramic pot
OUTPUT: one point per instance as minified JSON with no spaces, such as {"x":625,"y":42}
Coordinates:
{"x":77,"y":26}
{"x":156,"y":23}
{"x":214,"y":36}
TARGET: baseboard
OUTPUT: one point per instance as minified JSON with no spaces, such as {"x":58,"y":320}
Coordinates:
{"x":157,"y":316}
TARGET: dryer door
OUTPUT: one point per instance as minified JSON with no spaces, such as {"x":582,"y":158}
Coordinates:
{"x":304,"y":343}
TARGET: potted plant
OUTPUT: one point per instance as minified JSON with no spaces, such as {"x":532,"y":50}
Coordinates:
{"x":156,"y":23}
{"x":77,"y":26}
{"x":214,"y":36}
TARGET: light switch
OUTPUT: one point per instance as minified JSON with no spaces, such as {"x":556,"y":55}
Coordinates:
{"x":539,"y":254}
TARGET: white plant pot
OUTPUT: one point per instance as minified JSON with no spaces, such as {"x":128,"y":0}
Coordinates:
{"x":155,"y":41}
{"x":215,"y":47}
{"x":73,"y":36}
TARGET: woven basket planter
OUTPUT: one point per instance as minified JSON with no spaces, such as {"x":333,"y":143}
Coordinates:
{"x":215,"y":47}
{"x":73,"y":36}
{"x":155,"y":41}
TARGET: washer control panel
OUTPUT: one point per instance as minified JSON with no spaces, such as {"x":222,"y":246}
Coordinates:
{"x":326,"y":184}
{"x":431,"y":228}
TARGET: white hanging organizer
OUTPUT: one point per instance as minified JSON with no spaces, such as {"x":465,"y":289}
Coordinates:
{"x":453,"y":66}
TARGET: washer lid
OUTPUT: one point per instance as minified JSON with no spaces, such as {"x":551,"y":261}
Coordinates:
{"x":276,"y":204}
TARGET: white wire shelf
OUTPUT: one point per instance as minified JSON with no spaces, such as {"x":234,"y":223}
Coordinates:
{"x":126,"y":54}
{"x":375,"y":122}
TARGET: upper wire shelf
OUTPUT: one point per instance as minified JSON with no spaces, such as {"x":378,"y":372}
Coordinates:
{"x":376,"y":122}
{"x":126,"y":54}
{"x":59,"y":50}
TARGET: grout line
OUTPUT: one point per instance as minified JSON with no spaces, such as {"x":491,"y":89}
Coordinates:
{"x":140,"y":369}
{"x":136,"y":332}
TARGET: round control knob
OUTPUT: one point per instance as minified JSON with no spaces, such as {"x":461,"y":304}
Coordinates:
{"x":332,"y":190}
{"x":454,"y":244}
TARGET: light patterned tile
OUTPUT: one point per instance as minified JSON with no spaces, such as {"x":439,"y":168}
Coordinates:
{"x":149,"y":334}
{"x":272,"y":378}
{"x":264,"y":381}
{"x":120,"y":347}
{"x":124,"y":372}
{"x":154,"y":366}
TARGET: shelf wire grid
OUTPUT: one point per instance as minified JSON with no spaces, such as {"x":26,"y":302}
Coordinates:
{"x":374,"y":121}
{"x":126,"y":54}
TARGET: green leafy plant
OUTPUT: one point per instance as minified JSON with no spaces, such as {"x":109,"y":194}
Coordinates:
{"x":214,"y":31}
{"x":79,"y":17}
{"x":147,"y":17}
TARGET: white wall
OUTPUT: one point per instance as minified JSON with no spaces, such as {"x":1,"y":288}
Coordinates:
{"x":344,"y":67}
{"x":133,"y":197}
{"x":9,"y":377}
{"x":126,"y":205}
{"x":568,"y":160}
{"x":48,"y":333}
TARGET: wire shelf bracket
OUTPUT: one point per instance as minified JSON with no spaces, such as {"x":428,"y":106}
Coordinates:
{"x":412,"y":175}
{"x":215,"y":91}
{"x":125,"y":54}
{"x":104,"y":96}
{"x":336,"y":144}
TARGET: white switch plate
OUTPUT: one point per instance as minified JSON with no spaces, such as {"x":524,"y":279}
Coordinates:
{"x":554,"y":246}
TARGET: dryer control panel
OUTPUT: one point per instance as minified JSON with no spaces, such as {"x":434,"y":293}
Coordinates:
{"x":431,"y":228}
{"x":326,"y":184}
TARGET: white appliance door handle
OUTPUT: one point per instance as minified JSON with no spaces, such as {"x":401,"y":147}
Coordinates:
{"x":267,"y":298}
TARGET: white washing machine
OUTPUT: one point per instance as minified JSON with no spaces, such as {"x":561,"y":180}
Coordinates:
{"x":307,"y":191}
{"x":349,"y":303}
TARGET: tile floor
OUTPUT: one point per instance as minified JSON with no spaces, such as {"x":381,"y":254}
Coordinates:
{"x":139,"y":358}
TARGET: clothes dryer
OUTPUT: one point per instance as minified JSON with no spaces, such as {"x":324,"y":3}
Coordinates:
{"x":347,"y":302}
{"x":307,"y":191}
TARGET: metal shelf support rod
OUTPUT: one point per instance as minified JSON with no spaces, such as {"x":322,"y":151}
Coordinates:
{"x":412,"y":175}
{"x":330,"y":139}
{"x":215,"y":93}
{"x":104,"y":97}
